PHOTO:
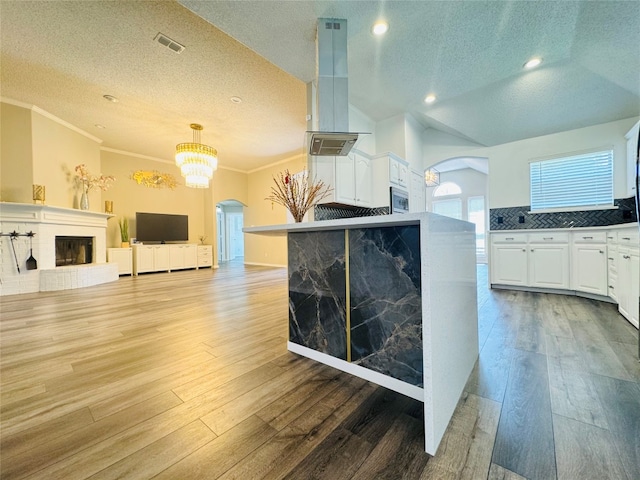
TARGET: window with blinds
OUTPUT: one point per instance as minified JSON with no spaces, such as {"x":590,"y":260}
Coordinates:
{"x":584,"y":180}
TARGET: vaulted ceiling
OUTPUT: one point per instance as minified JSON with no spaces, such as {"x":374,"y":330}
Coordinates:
{"x":63,"y":56}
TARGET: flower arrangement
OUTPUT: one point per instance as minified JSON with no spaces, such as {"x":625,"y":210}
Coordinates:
{"x":88,"y":181}
{"x":297,"y":193}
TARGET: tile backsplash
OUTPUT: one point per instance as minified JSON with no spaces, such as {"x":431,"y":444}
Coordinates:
{"x":515,"y":218}
{"x":324,"y":212}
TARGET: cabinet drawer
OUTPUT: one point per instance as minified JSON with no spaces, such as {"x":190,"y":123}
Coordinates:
{"x":509,"y":237}
{"x":589,"y":237}
{"x":612,"y":237}
{"x":628,"y":237}
{"x":549,"y":237}
{"x":612,"y":284}
{"x":205,"y":261}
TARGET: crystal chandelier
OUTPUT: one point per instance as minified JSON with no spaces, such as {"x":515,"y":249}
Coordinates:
{"x":197,"y":162}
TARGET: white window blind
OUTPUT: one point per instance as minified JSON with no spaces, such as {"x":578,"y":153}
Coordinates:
{"x":576,"y":181}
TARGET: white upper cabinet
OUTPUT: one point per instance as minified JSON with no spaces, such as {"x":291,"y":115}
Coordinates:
{"x":351,"y":178}
{"x":389,"y":170}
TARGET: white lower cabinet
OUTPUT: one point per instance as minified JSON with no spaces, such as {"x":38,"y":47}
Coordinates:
{"x":589,"y":268}
{"x":628,"y":281}
{"x":205,"y":256}
{"x":612,"y":269}
{"x":602,"y":262}
{"x":163,"y":258}
{"x":143,"y":259}
{"x":509,"y":264}
{"x":183,"y":256}
{"x":549,"y":266}
{"x":123,"y":257}
{"x":535,"y":260}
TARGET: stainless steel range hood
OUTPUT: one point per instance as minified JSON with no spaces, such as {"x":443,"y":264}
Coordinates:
{"x":330,"y":115}
{"x":336,"y":144}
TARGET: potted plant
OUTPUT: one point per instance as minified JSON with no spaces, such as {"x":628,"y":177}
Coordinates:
{"x":124,"y":232}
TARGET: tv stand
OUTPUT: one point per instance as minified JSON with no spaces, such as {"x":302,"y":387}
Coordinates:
{"x":164,"y":257}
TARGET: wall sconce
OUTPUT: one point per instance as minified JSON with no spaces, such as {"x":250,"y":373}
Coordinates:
{"x":38,"y":193}
{"x":432,"y":177}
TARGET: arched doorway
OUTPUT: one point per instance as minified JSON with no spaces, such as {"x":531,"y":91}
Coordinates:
{"x":462,"y":193}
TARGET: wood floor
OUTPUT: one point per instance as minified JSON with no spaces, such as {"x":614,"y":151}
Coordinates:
{"x":185,"y":375}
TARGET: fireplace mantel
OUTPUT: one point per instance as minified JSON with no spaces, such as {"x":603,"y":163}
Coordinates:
{"x":30,"y":213}
{"x":47,"y":222}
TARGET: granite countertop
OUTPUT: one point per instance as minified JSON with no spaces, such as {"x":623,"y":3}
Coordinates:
{"x":343,"y":223}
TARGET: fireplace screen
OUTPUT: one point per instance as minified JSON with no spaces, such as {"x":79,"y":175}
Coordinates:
{"x":74,"y":250}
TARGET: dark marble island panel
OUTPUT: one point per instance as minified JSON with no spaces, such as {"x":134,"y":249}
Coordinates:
{"x":385,"y":298}
{"x":317,"y":291}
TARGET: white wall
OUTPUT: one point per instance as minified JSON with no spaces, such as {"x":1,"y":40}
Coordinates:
{"x":413,"y":142}
{"x":390,"y":136}
{"x":359,"y":122}
{"x":509,"y":163}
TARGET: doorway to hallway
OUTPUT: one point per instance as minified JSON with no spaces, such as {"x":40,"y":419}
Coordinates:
{"x":229,"y":221}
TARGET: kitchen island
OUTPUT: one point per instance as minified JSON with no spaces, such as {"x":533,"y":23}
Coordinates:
{"x":391,"y":299}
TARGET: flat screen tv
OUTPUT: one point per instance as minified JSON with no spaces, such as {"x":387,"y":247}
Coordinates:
{"x":161,"y":227}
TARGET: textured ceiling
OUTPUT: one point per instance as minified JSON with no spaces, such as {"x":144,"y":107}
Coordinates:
{"x":63,"y":56}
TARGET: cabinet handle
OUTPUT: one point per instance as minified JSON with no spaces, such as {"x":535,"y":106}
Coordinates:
{"x":509,"y":238}
{"x":532,"y":249}
{"x":626,"y":238}
{"x":587,"y":238}
{"x":547,"y":238}
{"x":601,"y":251}
{"x":524,"y":250}
{"x":626,"y":257}
{"x":611,"y":258}
{"x":612,"y":287}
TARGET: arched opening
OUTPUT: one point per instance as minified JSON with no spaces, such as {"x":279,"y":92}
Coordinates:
{"x":229,"y":223}
{"x":462,"y":193}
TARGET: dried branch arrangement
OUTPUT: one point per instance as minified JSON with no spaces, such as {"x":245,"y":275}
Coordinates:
{"x":297,"y":193}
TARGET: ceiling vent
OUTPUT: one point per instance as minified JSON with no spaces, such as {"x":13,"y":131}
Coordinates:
{"x":172,"y":45}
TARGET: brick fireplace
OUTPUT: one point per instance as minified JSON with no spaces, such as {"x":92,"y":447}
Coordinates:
{"x":69,"y":245}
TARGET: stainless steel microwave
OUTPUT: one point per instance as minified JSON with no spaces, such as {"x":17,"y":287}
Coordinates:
{"x":399,"y":200}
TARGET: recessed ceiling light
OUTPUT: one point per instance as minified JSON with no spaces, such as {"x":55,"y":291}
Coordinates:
{"x":110,"y":98}
{"x":236,"y":100}
{"x":533,"y":63}
{"x":101,"y":127}
{"x":380,"y":28}
{"x":430,"y":98}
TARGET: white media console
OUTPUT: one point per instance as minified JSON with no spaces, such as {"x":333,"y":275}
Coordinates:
{"x":169,"y":257}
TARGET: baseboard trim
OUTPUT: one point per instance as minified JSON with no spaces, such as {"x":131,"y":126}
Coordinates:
{"x":257,"y":264}
{"x":557,"y":291}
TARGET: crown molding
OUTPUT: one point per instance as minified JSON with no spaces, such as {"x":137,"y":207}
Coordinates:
{"x":50,"y":116}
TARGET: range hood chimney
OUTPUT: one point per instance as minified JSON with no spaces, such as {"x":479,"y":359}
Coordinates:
{"x":331,"y":137}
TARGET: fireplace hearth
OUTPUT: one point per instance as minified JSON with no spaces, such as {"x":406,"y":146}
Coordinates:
{"x":74,"y":251}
